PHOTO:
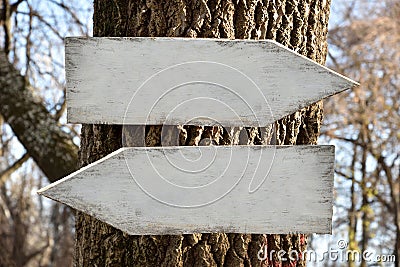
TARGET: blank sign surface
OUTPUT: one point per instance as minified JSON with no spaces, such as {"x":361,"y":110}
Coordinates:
{"x":176,"y":190}
{"x":191,"y":81}
{"x":209,"y":192}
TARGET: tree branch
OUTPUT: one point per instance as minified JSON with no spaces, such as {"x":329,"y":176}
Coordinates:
{"x":50,"y":147}
{"x":6,"y":173}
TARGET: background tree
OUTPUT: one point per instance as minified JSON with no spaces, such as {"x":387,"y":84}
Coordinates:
{"x":34,"y":232}
{"x":365,"y":124}
{"x":300,"y":25}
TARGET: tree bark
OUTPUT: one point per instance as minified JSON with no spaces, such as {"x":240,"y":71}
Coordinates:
{"x":52,"y":149}
{"x":299,"y":25}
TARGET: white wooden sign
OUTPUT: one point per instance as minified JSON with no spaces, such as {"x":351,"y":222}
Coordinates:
{"x":170,"y":190}
{"x":172,"y":80}
{"x":127,"y":190}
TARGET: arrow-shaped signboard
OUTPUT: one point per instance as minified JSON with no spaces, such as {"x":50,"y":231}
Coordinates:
{"x":149,"y":190}
{"x":171,"y":81}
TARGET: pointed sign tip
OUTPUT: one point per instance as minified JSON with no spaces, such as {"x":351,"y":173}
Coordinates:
{"x":48,"y":190}
{"x":42,"y":191}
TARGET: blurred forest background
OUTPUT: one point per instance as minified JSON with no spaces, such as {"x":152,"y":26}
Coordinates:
{"x":364,"y":124}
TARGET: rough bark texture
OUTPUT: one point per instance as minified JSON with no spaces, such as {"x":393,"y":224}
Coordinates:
{"x":50,"y":147}
{"x":300,"y":25}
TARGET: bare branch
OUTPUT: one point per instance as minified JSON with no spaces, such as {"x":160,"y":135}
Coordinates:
{"x":6,"y":173}
{"x":51,"y":148}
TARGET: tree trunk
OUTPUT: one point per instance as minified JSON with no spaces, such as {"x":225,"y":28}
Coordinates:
{"x":300,"y":25}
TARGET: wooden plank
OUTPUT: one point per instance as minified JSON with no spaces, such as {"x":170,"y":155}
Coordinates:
{"x":191,"y":81}
{"x":206,"y":194}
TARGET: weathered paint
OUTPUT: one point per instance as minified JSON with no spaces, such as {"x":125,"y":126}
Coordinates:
{"x":191,"y":81}
{"x":107,"y":190}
